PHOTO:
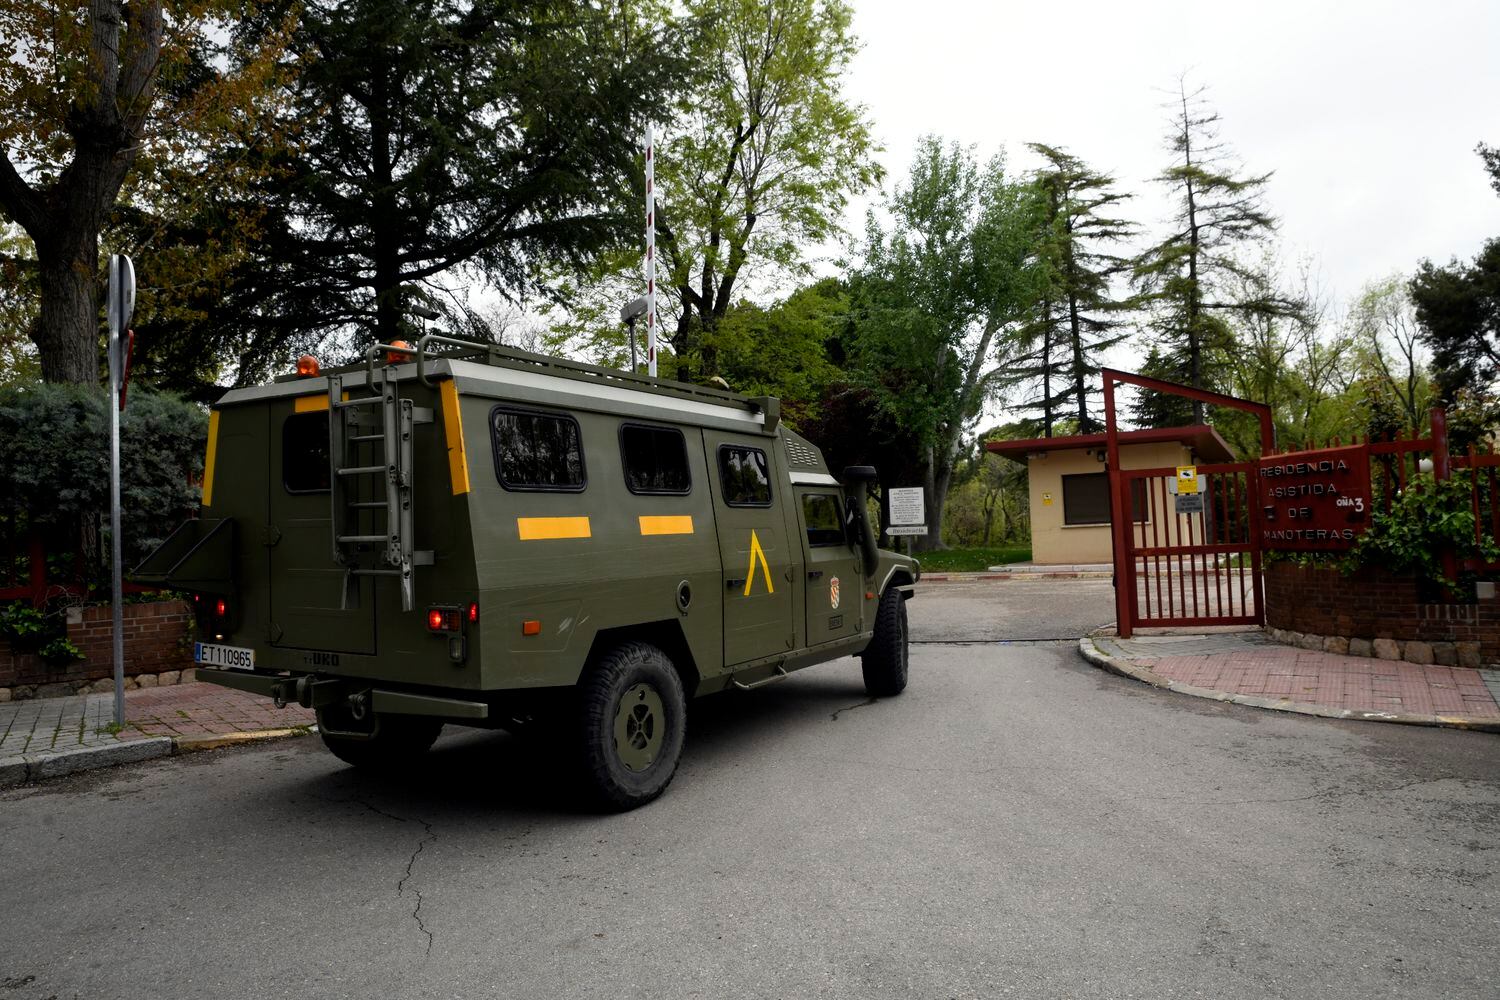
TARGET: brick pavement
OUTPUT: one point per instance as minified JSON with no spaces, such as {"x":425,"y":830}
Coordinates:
{"x":1246,"y":666}
{"x":196,"y":710}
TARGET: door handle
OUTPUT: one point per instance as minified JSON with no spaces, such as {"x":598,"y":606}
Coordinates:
{"x":815,"y":574}
{"x":734,"y":584}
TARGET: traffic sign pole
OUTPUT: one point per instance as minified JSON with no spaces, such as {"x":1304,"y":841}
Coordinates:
{"x":121,"y":303}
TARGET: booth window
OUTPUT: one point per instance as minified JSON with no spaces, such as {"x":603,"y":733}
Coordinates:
{"x":655,"y":460}
{"x":537,"y":451}
{"x":1086,"y":499}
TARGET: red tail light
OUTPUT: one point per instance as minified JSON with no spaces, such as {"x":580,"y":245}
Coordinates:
{"x":221,"y":608}
{"x":474,"y":611}
{"x":445,"y":619}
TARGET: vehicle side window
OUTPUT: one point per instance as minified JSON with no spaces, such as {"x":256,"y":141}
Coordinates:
{"x":304,"y":452}
{"x":537,"y":451}
{"x":655,"y":460}
{"x":745,"y":475}
{"x":823,"y":519}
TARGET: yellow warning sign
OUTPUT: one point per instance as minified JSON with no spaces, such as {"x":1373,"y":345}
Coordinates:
{"x":1187,"y":479}
{"x":757,"y":554}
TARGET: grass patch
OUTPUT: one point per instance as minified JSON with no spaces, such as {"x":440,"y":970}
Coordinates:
{"x":972,"y":560}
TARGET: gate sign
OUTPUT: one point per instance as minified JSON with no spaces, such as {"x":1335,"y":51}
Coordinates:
{"x":1316,"y":501}
{"x":1187,"y":479}
{"x":908,"y":511}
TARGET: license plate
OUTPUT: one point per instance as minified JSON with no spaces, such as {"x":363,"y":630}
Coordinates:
{"x":233,"y":657}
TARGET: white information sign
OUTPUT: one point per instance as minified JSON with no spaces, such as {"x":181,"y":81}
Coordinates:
{"x":907,"y":507}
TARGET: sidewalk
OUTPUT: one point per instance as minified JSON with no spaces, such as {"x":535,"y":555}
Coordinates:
{"x":47,"y":737}
{"x":1247,"y":669}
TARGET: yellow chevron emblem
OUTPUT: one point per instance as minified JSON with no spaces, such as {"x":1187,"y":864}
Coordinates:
{"x":757,"y":554}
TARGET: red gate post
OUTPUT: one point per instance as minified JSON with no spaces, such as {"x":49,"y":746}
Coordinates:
{"x":1442,"y":468}
{"x":38,"y":559}
{"x":1124,"y":599}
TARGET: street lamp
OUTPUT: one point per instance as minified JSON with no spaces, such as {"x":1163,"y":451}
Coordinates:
{"x":629,"y":313}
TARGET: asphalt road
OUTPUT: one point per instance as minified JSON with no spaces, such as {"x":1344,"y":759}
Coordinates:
{"x":1016,"y":824}
{"x":987,"y":610}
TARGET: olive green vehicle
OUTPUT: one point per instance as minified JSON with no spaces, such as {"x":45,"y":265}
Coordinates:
{"x":472,"y":535}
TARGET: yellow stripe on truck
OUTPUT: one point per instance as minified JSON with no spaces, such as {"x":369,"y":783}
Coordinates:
{"x":533,"y":529}
{"x":208,"y":459}
{"x":313,"y":404}
{"x":666,"y":524}
{"x":453,"y":429}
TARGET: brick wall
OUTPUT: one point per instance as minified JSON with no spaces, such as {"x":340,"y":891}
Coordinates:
{"x":155,"y":641}
{"x":1373,"y":604}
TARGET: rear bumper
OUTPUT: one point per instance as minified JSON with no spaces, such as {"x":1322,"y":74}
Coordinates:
{"x":311,"y":691}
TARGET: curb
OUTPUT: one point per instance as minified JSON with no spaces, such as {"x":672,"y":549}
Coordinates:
{"x":1146,"y":675}
{"x":31,"y":768}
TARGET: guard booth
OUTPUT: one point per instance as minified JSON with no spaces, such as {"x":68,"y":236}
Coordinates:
{"x":1185,"y":540}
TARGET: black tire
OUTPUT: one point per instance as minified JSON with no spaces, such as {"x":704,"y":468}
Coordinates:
{"x":631,"y":721}
{"x":399,"y":740}
{"x":885,"y":658}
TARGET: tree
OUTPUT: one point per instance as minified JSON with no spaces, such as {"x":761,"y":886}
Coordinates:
{"x":1384,"y":324}
{"x":449,"y":138}
{"x":940,"y":298}
{"x":1186,"y":277}
{"x":79,"y":90}
{"x":765,"y":153}
{"x":103,"y":105}
{"x":1458,"y":311}
{"x":1078,"y":314}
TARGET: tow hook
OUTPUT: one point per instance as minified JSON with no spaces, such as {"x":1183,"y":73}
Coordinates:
{"x":358,"y":706}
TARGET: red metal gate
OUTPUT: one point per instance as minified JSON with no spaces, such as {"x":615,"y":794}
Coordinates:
{"x":1192,"y":568}
{"x":1200,"y":567}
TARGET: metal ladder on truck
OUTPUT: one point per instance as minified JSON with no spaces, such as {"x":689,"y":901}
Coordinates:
{"x":370,"y":456}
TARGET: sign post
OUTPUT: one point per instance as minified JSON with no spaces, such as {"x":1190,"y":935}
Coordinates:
{"x":650,"y":252}
{"x":908,"y":513}
{"x":120,"y":303}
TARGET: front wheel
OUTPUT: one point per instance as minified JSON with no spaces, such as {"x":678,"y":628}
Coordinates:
{"x":631,"y":724}
{"x":397,"y":741}
{"x":885,"y":658}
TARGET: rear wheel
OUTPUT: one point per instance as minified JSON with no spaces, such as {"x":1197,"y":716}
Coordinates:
{"x":885,"y":658}
{"x":398,"y":740}
{"x":632,"y":716}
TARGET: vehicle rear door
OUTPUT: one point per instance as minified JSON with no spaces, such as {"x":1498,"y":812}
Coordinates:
{"x":759,"y":589}
{"x":306,"y":583}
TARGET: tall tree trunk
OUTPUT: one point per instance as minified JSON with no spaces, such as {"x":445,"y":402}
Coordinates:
{"x":1047,"y":368}
{"x":67,"y":332}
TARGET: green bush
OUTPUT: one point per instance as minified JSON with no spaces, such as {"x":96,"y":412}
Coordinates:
{"x":1424,"y":520}
{"x":54,"y":460}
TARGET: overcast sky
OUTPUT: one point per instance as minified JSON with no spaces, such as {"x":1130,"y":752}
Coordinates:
{"x":1368,"y":112}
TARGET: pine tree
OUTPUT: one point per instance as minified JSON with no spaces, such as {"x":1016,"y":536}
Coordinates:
{"x":1188,"y":277}
{"x":1080,"y":315}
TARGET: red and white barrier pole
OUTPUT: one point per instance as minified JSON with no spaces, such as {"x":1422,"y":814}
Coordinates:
{"x":650,"y":252}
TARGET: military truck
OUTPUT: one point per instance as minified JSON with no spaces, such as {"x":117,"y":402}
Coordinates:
{"x":458,"y":533}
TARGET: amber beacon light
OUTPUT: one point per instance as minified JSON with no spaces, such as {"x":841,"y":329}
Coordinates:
{"x":307,"y":366}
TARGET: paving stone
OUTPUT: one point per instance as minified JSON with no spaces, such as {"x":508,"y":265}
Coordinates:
{"x":1468,"y":654}
{"x":1361,"y":647}
{"x":1445,"y":654}
{"x":1336,"y":644}
{"x":1387,"y":649}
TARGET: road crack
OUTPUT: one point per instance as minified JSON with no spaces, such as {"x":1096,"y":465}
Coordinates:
{"x":849,"y":708}
{"x":428,"y":837}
